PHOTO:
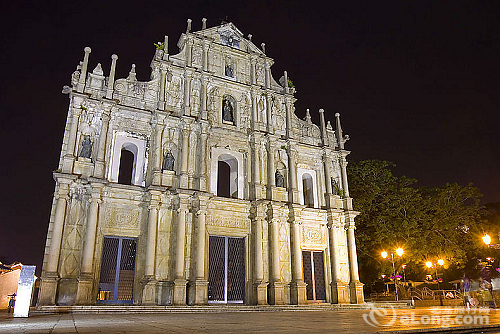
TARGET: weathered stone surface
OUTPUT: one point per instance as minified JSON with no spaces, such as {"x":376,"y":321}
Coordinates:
{"x":216,"y":150}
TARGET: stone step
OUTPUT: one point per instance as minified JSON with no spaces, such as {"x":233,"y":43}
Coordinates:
{"x":210,"y":308}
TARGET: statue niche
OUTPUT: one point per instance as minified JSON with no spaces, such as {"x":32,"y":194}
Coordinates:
{"x":86,"y":150}
{"x":168,"y":161}
{"x":279,"y":179}
{"x":227,"y":110}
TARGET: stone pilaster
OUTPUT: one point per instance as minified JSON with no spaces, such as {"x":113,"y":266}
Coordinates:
{"x":298,"y":293}
{"x":276,"y":285}
{"x":179,"y":284}
{"x":84,"y":294}
{"x":100,"y":164}
{"x":157,"y":158}
{"x":48,"y":287}
{"x":259,"y":285}
{"x":339,"y":289}
{"x":355,"y":286}
{"x":149,"y":280}
{"x":183,"y":177}
{"x":69,"y":157}
{"x":198,"y":290}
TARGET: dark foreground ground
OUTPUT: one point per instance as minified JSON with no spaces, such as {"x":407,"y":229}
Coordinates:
{"x":349,"y":321}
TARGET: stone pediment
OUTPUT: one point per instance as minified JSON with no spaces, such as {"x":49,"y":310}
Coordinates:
{"x":228,"y":34}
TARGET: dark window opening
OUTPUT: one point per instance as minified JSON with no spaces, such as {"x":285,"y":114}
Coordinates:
{"x":307,"y":189}
{"x":126,"y":167}
{"x":223,"y":179}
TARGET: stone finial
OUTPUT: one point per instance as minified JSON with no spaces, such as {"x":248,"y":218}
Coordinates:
{"x":131,"y":74}
{"x":329,"y":126}
{"x":203,"y":23}
{"x":98,"y":70}
{"x":83,"y":74}
{"x":188,"y":29}
{"x":250,"y":37}
{"x":308,"y":116}
{"x":338,"y":132}
{"x":263,"y":46}
{"x":321,"y":111}
{"x":165,"y":43}
{"x":111,"y":80}
{"x":87,"y":49}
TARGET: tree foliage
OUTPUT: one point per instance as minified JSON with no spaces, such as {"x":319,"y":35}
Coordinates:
{"x":429,"y":223}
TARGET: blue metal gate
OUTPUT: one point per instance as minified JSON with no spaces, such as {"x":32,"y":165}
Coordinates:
{"x":116,"y":282}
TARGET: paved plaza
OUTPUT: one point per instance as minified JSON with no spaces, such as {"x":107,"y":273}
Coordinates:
{"x":348,"y":321}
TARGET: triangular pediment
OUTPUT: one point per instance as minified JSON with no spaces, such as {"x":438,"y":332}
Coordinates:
{"x":228,"y":34}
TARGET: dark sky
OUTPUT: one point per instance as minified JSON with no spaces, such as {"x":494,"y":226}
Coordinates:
{"x":416,"y":83}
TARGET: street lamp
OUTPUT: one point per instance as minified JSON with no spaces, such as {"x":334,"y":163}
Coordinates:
{"x":399,"y":252}
{"x":430,"y":265}
{"x":487,"y":239}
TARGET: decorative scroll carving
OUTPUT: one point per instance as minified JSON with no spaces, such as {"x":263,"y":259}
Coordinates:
{"x":312,"y":235}
{"x":230,"y":222}
{"x":119,"y":217}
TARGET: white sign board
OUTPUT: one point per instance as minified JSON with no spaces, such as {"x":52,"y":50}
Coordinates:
{"x":24,"y":289}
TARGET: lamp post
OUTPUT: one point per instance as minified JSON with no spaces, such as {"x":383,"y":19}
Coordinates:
{"x":430,"y":265}
{"x":384,"y":255}
{"x":487,"y":241}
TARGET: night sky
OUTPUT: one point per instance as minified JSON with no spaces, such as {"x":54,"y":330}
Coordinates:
{"x":416,"y":83}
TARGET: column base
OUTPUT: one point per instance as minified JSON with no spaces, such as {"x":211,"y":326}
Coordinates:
{"x":276,"y":293}
{"x":48,"y":289}
{"x":260,"y":293}
{"x":183,"y":181}
{"x":298,"y":293}
{"x":157,"y":176}
{"x":179,"y":292}
{"x":99,"y":169}
{"x":67,"y":166}
{"x":84,"y":294}
{"x":340,"y":293}
{"x":198,"y":292}
{"x":356,"y":292}
{"x":149,"y":290}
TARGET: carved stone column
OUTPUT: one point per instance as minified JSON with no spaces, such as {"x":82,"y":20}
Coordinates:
{"x":179,"y":291}
{"x":199,"y":288}
{"x":355,"y":286}
{"x":276,"y":286}
{"x":86,"y":280}
{"x":203,"y":161}
{"x":187,"y":93}
{"x":192,"y":160}
{"x":163,"y":74}
{"x":184,"y":156}
{"x":100,"y":163}
{"x":293,"y":193}
{"x":149,"y":280}
{"x":157,"y":158}
{"x":48,"y":288}
{"x":69,"y":157}
{"x":259,"y":285}
{"x":339,"y":289}
{"x":297,"y":287}
{"x":270,"y":168}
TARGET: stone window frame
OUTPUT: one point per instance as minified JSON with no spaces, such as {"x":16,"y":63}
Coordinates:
{"x":227,"y":155}
{"x":313,"y":174}
{"x":124,"y":140}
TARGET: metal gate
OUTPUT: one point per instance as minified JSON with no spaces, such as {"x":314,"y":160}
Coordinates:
{"x":314,"y":275}
{"x":116,"y":282}
{"x":226,"y":270}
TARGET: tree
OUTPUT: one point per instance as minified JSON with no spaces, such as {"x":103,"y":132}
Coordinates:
{"x":429,"y":223}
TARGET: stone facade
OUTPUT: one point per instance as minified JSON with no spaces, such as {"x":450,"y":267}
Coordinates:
{"x":213,"y":104}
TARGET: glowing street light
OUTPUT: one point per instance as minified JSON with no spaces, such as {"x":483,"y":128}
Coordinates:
{"x":487,"y":239}
{"x":384,"y":255}
{"x":430,"y":265}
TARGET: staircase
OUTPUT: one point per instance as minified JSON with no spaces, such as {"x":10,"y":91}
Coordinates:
{"x":100,"y":309}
